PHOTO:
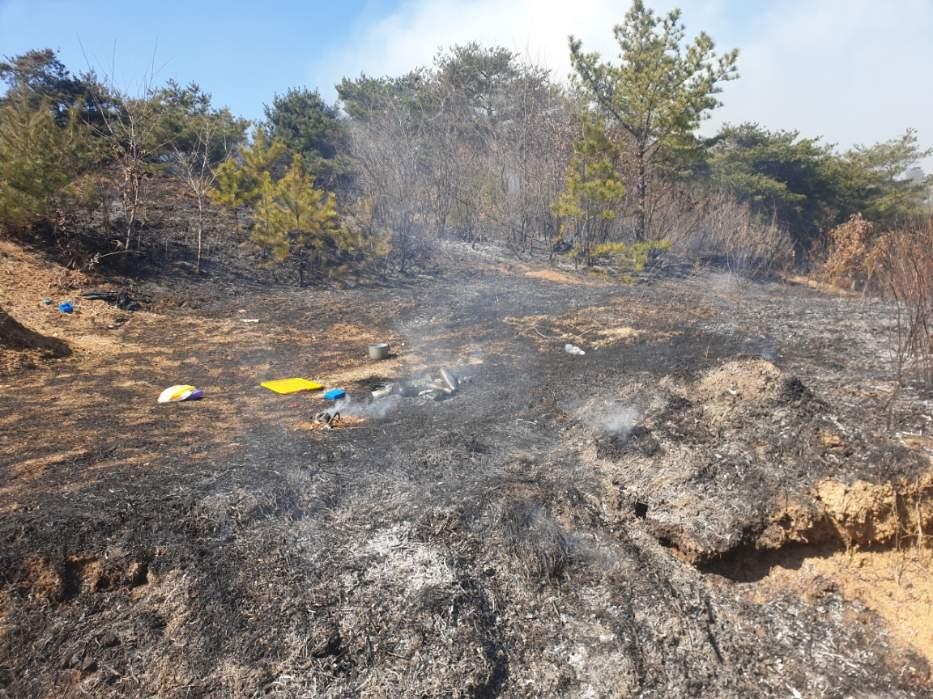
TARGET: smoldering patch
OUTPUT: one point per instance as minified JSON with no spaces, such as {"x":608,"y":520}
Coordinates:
{"x":618,"y":428}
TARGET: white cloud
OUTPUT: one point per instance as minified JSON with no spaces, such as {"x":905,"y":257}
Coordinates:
{"x":412,"y":35}
{"x":853,"y":71}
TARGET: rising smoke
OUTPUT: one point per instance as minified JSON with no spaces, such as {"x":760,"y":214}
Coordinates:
{"x":375,"y":410}
{"x":610,"y":417}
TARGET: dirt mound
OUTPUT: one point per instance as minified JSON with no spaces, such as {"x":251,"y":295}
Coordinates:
{"x":20,"y":346}
{"x":748,"y":457}
{"x":749,"y":380}
{"x":852,"y":515}
{"x":31,"y":289}
{"x":836,"y":516}
{"x":26,"y":277}
{"x":737,"y":387}
{"x":15,"y":336}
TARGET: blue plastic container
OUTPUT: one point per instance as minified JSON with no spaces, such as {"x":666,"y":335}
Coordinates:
{"x":334,"y":394}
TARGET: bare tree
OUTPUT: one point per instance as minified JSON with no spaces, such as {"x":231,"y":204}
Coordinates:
{"x":197,"y":171}
{"x":474,"y":147}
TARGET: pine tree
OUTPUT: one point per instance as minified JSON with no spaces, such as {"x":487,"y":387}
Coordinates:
{"x":592,"y":192}
{"x":310,"y":127}
{"x":39,"y":160}
{"x":658,"y":93}
{"x":297,"y":221}
{"x":268,"y":224}
{"x":264,"y":155}
{"x":240,"y":182}
{"x":230,"y":188}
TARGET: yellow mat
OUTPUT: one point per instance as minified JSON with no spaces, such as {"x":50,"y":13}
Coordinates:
{"x":285,"y":386}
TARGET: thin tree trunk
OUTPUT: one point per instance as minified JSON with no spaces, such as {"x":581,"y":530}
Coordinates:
{"x":641,"y":233}
{"x":132,"y":214}
{"x":197,"y":264}
{"x":128,"y":209}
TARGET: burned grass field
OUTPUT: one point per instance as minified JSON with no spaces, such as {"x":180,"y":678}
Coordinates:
{"x":691,"y":508}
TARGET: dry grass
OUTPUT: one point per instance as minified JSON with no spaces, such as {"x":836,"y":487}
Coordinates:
{"x":553,"y":275}
{"x":900,"y":266}
{"x":821,"y":286}
{"x":723,"y":228}
{"x":851,"y":244}
{"x":596,"y":327}
{"x":896,"y":265}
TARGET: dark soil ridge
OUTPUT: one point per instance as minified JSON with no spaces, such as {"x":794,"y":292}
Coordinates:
{"x":15,"y":336}
{"x":752,"y":411}
{"x":880,"y":517}
{"x":834,"y":517}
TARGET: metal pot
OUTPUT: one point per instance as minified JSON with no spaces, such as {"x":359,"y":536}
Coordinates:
{"x":380,"y":351}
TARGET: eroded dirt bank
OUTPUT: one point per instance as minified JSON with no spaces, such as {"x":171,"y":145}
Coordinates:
{"x":562,"y":525}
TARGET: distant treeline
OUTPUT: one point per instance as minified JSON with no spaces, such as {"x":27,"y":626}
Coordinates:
{"x":478,"y":146}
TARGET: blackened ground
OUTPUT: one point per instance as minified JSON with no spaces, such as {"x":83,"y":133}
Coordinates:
{"x":532,"y":535}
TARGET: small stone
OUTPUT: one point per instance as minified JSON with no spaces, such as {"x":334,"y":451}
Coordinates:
{"x":89,"y":665}
{"x":325,"y":642}
{"x":109,"y":640}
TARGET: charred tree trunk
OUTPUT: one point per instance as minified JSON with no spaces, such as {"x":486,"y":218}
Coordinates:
{"x":641,"y":186}
{"x":302,"y":267}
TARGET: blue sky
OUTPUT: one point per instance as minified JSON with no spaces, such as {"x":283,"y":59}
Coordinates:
{"x":241,"y":52}
{"x":852,"y":71}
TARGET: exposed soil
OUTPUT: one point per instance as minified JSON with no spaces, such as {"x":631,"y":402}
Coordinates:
{"x":897,"y":584}
{"x":679,"y":512}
